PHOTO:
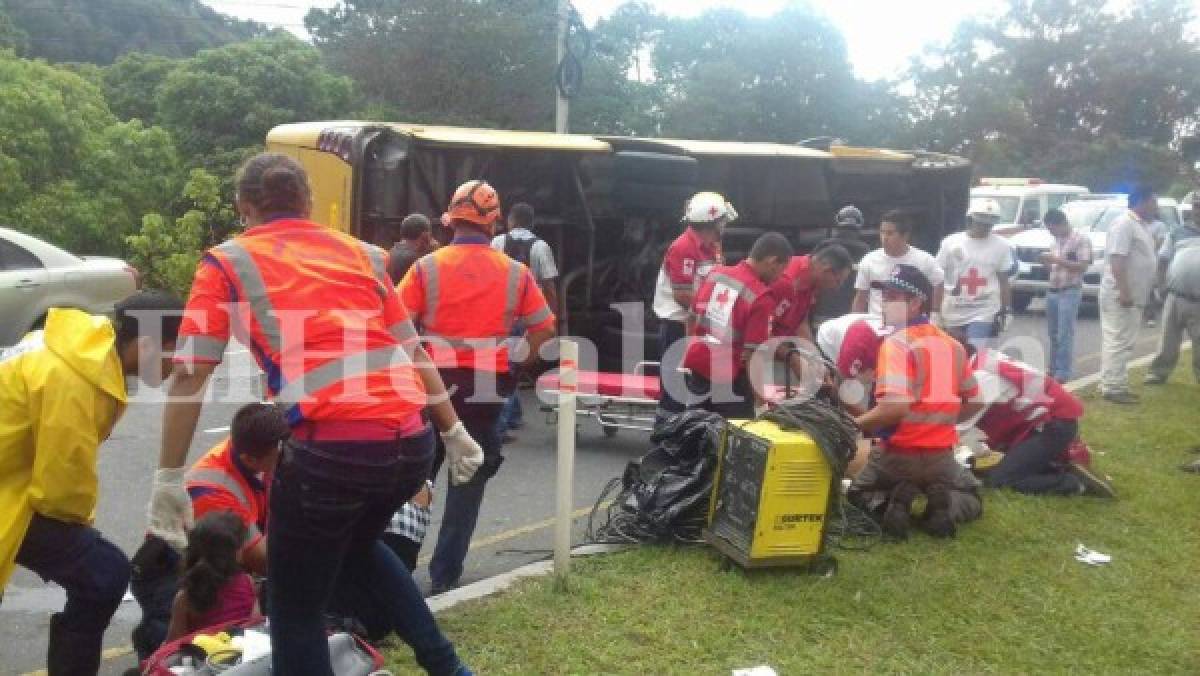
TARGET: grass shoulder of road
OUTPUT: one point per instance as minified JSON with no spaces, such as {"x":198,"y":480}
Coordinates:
{"x":1006,"y":596}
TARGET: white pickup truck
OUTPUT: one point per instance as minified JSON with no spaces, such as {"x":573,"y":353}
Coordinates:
{"x":1092,"y":215}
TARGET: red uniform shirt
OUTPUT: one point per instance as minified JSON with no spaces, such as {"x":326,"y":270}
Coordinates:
{"x":796,"y":295}
{"x":733,"y":314}
{"x":860,"y":349}
{"x":1026,"y":399}
{"x":688,"y":261}
{"x":929,"y":370}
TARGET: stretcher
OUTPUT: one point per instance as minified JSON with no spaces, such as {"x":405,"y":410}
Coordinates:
{"x":619,"y":401}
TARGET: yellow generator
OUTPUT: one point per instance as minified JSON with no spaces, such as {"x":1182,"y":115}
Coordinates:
{"x":771,"y":498}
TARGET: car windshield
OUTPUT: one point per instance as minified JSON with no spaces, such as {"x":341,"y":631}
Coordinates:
{"x":1083,"y":214}
{"x":1008,"y":206}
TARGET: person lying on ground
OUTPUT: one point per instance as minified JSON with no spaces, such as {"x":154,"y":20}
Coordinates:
{"x":214,"y":590}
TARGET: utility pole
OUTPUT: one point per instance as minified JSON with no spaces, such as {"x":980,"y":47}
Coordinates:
{"x":561,"y":106}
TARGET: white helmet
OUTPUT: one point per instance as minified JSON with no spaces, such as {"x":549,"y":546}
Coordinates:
{"x":985,"y":211}
{"x":707,"y":207}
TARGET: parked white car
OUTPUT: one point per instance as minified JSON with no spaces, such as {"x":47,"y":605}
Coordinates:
{"x":1091,"y":215}
{"x":36,"y":276}
{"x":1023,"y":201}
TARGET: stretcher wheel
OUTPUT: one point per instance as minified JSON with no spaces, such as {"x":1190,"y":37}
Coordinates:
{"x":610,"y":431}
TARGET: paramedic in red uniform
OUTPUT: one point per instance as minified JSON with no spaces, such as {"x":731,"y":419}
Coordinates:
{"x":797,"y":291}
{"x":924,"y":385}
{"x":688,"y":261}
{"x":733,"y":317}
{"x":317,"y":309}
{"x":1033,"y":420}
{"x":466,"y":297}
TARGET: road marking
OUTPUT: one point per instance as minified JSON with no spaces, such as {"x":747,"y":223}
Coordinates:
{"x":217,"y":430}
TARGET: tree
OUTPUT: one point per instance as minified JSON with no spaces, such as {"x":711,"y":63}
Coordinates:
{"x":69,"y":171}
{"x":166,"y":254}
{"x":472,"y":62}
{"x":11,"y":35}
{"x":131,"y":85}
{"x":224,"y":100}
{"x":619,"y":95}
{"x":99,"y":31}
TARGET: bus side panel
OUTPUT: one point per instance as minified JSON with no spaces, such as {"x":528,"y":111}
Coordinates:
{"x":331,"y":180}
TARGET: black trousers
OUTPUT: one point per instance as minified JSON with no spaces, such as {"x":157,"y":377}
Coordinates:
{"x":740,"y":406}
{"x":1032,"y":466}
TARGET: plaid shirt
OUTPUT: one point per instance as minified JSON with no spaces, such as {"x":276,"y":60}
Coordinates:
{"x":411,"y":522}
{"x":1074,"y":247}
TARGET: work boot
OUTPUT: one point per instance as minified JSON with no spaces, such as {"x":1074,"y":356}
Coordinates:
{"x":1093,"y":483}
{"x":1123,"y":397}
{"x":898,"y":515}
{"x":72,"y":653}
{"x":938,"y":521}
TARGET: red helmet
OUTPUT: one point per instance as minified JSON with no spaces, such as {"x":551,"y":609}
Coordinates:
{"x":476,"y":202}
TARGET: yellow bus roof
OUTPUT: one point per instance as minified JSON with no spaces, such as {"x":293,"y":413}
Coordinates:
{"x":306,"y":134}
{"x":859,"y":153}
{"x":722,"y":148}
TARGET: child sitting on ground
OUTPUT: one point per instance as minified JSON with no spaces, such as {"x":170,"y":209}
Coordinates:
{"x":214,"y":589}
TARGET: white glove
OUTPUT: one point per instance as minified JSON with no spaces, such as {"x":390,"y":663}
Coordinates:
{"x":169,"y":514}
{"x":463,"y":455}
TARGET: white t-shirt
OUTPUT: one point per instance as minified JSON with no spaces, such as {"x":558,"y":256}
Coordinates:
{"x":832,"y":332}
{"x":541,"y":258}
{"x":973,"y":268}
{"x":877,"y":266}
{"x":1129,"y":237}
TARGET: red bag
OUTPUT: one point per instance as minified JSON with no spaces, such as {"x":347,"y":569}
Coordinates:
{"x":354,"y":656}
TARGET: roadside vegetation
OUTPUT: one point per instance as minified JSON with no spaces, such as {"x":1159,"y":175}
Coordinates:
{"x":1006,"y":596}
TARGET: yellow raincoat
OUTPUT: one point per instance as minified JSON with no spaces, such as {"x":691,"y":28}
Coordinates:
{"x":61,"y":392}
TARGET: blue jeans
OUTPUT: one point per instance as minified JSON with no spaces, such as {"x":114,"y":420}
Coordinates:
{"x":673,"y":383}
{"x":1062,"y":311}
{"x":94,"y":573}
{"x":978,"y":334}
{"x":464,"y":501}
{"x":510,"y":415}
{"x":330,"y":503}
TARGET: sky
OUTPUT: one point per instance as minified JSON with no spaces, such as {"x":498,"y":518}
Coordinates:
{"x":881,"y":35}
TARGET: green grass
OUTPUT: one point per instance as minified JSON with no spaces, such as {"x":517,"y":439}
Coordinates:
{"x":1006,"y":596}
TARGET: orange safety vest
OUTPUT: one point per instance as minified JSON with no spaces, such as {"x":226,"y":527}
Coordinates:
{"x":929,"y":369}
{"x":216,"y":484}
{"x":322,"y":321}
{"x":466,"y":297}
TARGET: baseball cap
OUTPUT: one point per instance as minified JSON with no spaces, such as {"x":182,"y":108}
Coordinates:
{"x":908,"y":279}
{"x":984,"y":211}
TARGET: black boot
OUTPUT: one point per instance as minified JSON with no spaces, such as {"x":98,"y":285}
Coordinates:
{"x":72,"y":653}
{"x":897,"y":516}
{"x":938,"y":521}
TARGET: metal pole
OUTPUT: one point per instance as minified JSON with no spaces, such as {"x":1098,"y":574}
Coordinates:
{"x":561,"y":107}
{"x":568,"y":378}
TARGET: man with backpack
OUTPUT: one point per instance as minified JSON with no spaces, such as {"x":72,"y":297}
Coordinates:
{"x":521,"y":245}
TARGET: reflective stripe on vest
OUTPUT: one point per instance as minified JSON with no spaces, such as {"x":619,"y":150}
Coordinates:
{"x":379,"y":266}
{"x":433,"y":292}
{"x":538,"y":317}
{"x":202,"y":347}
{"x":255,"y":290}
{"x":215,"y":477}
{"x":293,"y":391}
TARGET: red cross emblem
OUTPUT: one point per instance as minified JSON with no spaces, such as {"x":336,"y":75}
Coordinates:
{"x":973,"y":281}
{"x":713,"y":211}
{"x":722,"y":297}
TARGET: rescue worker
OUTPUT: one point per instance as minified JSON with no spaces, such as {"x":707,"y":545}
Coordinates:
{"x":851,"y":344}
{"x":733,"y":316}
{"x":797,"y":291}
{"x":466,"y":297}
{"x":1179,"y":281}
{"x":923,"y":387}
{"x":977,"y":264}
{"x":62,"y":390}
{"x":1034,"y":421}
{"x":687,"y":262}
{"x":319,"y":313}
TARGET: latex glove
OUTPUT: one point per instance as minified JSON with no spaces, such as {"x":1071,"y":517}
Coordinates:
{"x":463,"y":454}
{"x":169,"y":514}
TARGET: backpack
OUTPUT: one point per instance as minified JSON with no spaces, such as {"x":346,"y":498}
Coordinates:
{"x":520,"y":250}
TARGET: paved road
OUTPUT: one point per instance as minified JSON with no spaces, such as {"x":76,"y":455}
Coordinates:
{"x":514,"y":527}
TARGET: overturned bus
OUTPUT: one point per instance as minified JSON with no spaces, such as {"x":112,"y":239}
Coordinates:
{"x":609,"y":206}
